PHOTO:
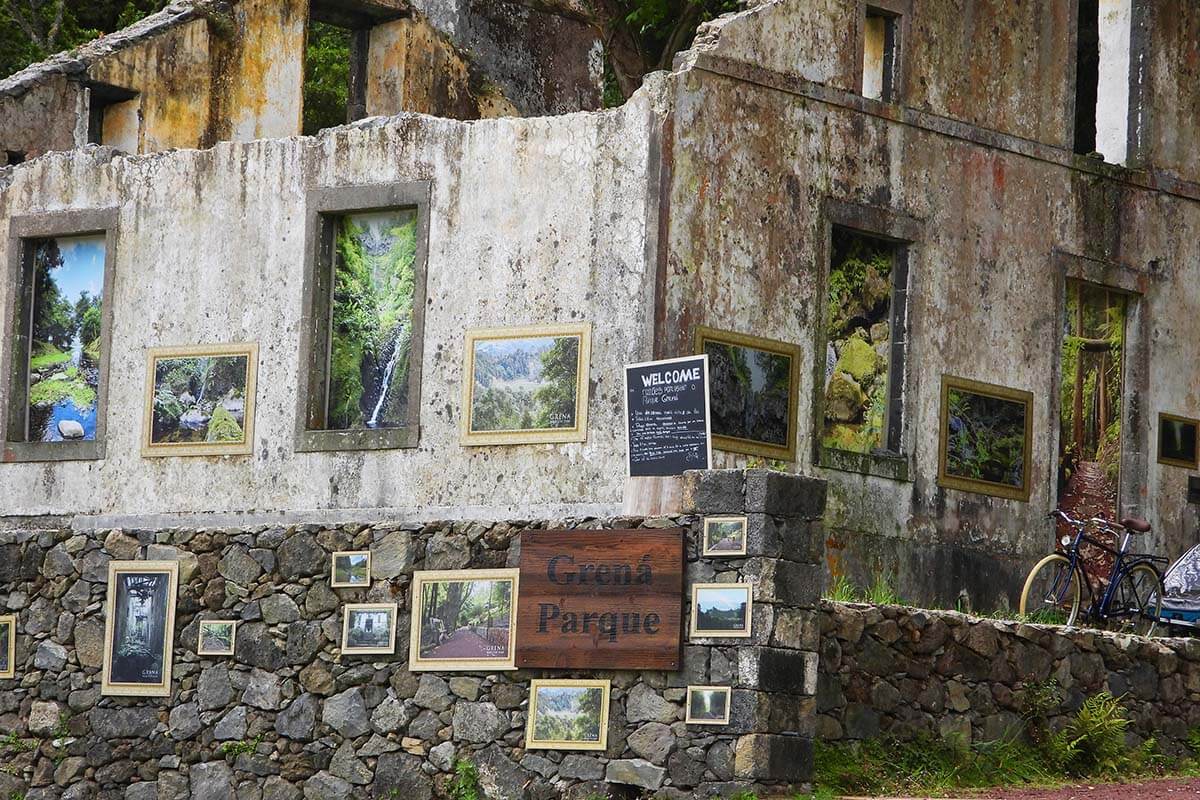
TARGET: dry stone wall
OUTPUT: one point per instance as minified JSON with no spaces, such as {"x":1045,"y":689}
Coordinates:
{"x":288,"y":717}
{"x":892,"y":671}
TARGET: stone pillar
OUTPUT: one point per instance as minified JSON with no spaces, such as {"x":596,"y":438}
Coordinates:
{"x":774,"y":672}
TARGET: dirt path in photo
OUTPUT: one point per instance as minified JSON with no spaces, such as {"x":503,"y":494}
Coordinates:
{"x":462,"y":644}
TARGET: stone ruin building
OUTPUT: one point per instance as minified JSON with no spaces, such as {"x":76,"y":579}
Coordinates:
{"x":895,"y":192}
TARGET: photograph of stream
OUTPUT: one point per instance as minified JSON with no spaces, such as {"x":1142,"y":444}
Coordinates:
{"x":374,"y":281}
{"x":64,"y":363}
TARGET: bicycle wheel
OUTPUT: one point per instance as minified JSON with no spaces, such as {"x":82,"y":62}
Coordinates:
{"x":1136,"y":602}
{"x":1052,"y":592}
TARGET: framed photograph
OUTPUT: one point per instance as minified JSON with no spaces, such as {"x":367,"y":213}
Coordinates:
{"x":200,"y":400}
{"x":721,"y":610}
{"x":526,"y":385}
{"x":1177,"y":441}
{"x":350,"y":570}
{"x":139,"y":628}
{"x":754,"y":385}
{"x":985,"y":438}
{"x":724,"y":536}
{"x":567,"y":715}
{"x":369,"y":629}
{"x":463,"y":620}
{"x":217,"y":637}
{"x":8,"y":646}
{"x":707,"y":705}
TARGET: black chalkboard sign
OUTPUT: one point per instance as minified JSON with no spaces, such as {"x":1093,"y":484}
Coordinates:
{"x":666,"y":416}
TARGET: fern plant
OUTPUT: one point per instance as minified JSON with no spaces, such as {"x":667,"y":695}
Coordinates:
{"x":1093,"y":743}
{"x":465,"y":784}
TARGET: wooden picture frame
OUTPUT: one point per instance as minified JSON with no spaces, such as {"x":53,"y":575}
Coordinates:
{"x":351,"y":583}
{"x":8,"y":641}
{"x":151,"y":418}
{"x":375,"y":647}
{"x":1189,"y":430}
{"x":201,"y":650}
{"x":743,"y":442}
{"x":499,"y":434}
{"x":160,"y":595}
{"x":710,"y":548}
{"x":497,"y":648}
{"x":981,"y":485}
{"x":696,"y":631}
{"x":537,"y":686}
{"x":692,"y":718}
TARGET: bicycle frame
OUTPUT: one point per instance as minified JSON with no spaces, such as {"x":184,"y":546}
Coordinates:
{"x":1123,"y":562}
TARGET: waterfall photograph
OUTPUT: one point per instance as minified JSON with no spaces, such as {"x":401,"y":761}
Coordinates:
{"x":371,"y":337}
{"x":64,"y":359}
{"x":708,"y":705}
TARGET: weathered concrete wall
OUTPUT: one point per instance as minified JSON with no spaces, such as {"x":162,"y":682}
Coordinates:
{"x":903,"y":672}
{"x":42,"y":119}
{"x":532,"y":221}
{"x":341,"y":727}
{"x":543,"y":57}
{"x":414,"y":67}
{"x":992,"y":63}
{"x":753,"y":167}
{"x":172,"y":75}
{"x":1171,"y":88}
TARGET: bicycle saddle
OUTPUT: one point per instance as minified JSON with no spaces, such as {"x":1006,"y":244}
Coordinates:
{"x":1135,"y":525}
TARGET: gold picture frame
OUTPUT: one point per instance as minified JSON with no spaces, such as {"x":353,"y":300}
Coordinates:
{"x":785,"y":451}
{"x":535,"y":742}
{"x":485,"y":638}
{"x":711,"y":549}
{"x":201,"y":650}
{"x":348,"y":584}
{"x":8,"y":669}
{"x":371,"y":643}
{"x":700,"y":617}
{"x":155,"y":449}
{"x":990,"y":391}
{"x":152,"y":598}
{"x":692,"y":718}
{"x":1170,"y":461}
{"x":500,"y":434}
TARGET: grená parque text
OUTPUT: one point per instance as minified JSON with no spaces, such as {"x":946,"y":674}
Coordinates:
{"x":563,"y":571}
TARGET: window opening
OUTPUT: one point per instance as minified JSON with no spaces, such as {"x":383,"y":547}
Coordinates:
{"x":865,"y":338}
{"x":371,"y":319}
{"x":879,"y":55}
{"x":102,"y":97}
{"x":335,"y":62}
{"x":65,"y":344}
{"x":1090,"y":406}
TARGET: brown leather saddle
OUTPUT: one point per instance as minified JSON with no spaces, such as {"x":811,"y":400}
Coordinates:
{"x":1135,"y":525}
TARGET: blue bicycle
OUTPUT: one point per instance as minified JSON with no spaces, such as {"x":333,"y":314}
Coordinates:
{"x":1129,"y":602}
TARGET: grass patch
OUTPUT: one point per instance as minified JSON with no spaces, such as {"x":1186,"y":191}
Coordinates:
{"x":465,"y":784}
{"x":47,"y":355}
{"x":73,"y":388}
{"x":1090,"y":746}
{"x":880,"y":592}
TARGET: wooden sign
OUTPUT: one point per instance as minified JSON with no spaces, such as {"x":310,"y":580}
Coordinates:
{"x":601,"y":599}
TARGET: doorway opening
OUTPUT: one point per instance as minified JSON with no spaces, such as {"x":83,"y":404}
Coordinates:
{"x":1091,"y":397}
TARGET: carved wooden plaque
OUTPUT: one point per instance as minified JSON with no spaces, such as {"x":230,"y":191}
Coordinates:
{"x":601,"y":599}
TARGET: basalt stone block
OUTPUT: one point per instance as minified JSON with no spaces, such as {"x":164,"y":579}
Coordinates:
{"x":785,"y":494}
{"x":784,"y":582}
{"x":772,"y":669}
{"x":714,"y":491}
{"x":790,"y":538}
{"x":773,"y":757}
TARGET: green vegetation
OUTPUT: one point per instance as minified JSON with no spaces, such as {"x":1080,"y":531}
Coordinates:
{"x":13,"y":744}
{"x":985,"y":438}
{"x":223,"y":427}
{"x":568,"y":715}
{"x":880,"y":592}
{"x":46,"y":355}
{"x":372,"y":315}
{"x":858,"y":329}
{"x":245,"y":747}
{"x":1091,"y":745}
{"x":71,"y":386}
{"x":465,"y":784}
{"x":525,"y":384}
{"x":326,"y":77}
